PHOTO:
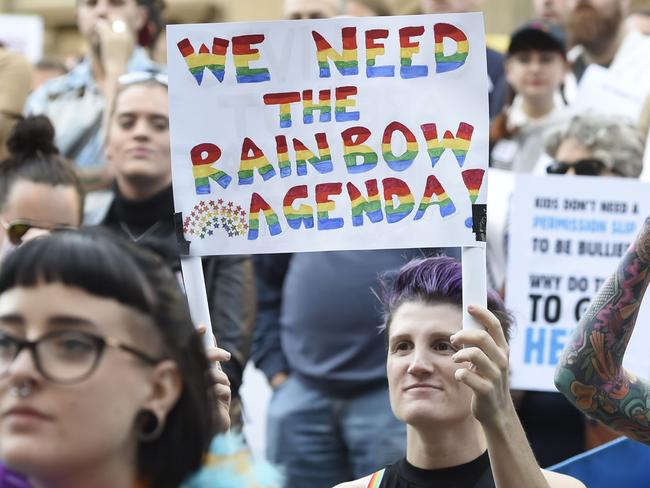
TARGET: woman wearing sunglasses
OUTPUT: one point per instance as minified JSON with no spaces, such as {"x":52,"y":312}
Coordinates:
{"x":104,"y":381}
{"x":39,"y":190}
{"x":596,"y":144}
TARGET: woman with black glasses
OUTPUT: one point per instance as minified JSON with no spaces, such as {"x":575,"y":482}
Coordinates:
{"x":104,"y":381}
{"x":39,"y":190}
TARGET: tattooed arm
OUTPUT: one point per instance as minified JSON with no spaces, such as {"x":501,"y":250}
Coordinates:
{"x":591,"y":374}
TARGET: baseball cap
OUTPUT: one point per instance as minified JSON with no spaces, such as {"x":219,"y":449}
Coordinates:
{"x":538,"y":35}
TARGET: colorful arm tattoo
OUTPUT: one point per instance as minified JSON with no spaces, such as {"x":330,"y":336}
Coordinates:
{"x":591,"y":374}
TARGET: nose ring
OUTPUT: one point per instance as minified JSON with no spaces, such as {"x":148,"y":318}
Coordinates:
{"x":22,"y":391}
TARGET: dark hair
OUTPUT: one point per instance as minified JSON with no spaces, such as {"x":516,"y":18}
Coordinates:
{"x":34,"y":157}
{"x":109,"y":266}
{"x":538,"y":35}
{"x":434,"y":280}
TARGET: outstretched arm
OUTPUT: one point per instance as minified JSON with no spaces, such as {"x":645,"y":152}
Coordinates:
{"x":590,"y":373}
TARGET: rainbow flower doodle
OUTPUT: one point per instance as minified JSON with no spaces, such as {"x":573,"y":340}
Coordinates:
{"x":208,"y":216}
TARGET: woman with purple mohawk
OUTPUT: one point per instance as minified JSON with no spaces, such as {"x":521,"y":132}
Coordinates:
{"x":450,"y":386}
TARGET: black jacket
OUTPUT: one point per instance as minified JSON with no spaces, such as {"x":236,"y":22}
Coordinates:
{"x":228,"y":279}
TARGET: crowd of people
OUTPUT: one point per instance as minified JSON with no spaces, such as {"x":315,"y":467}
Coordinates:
{"x":104,"y":380}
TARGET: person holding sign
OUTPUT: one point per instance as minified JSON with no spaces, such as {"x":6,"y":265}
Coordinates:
{"x":450,"y":386}
{"x":591,"y":373}
{"x":104,"y":381}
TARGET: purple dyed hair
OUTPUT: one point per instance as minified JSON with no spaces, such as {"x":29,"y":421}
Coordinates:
{"x":434,"y":280}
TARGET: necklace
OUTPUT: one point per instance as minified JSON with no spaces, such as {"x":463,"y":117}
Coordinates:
{"x":147,"y":232}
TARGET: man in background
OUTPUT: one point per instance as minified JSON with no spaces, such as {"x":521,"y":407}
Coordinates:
{"x":597,"y":33}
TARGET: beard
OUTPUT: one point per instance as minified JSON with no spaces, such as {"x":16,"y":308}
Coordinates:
{"x":593,"y":28}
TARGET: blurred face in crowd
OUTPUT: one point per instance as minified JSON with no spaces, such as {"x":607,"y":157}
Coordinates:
{"x":91,"y":12}
{"x":594,"y":23}
{"x":551,"y":10}
{"x":137,"y":144}
{"x":422,"y":386}
{"x":449,"y":6}
{"x":358,"y":9}
{"x":311,"y":9}
{"x":32,"y":209}
{"x":574,"y":158}
{"x":534,"y":74}
{"x":56,"y":428}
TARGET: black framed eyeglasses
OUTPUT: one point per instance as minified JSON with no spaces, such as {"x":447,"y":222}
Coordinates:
{"x":16,"y":229}
{"x":64,"y":356}
{"x":583,"y":167}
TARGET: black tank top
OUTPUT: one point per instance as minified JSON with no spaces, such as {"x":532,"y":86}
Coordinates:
{"x":475,"y":474}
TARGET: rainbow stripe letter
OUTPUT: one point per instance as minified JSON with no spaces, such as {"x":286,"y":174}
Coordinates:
{"x":324,"y":205}
{"x":342,"y":101}
{"x":347,"y":63}
{"x":459,"y":145}
{"x":258,"y":204}
{"x":202,"y":156}
{"x":215,"y":61}
{"x":252,"y":158}
{"x":308,"y":107}
{"x":283,"y":156}
{"x":433,"y":187}
{"x":322,"y":162}
{"x":395,"y":187}
{"x":404,"y":160}
{"x":455,"y":60}
{"x":371,"y":207}
{"x":374,"y":49}
{"x":473,"y":179}
{"x":304,"y":214}
{"x":243,"y":54}
{"x":353,"y":148}
{"x":284,"y":100}
{"x":407,"y":49}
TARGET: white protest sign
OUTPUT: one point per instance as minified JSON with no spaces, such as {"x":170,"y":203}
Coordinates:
{"x":602,"y":90}
{"x":23,"y":34}
{"x":350,"y":133}
{"x":567,"y":236}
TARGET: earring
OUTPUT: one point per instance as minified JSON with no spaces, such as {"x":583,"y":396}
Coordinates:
{"x":150,"y":425}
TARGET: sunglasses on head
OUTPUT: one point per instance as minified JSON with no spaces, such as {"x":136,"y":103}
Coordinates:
{"x":17,"y":229}
{"x":583,"y":167}
{"x":136,"y":77}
